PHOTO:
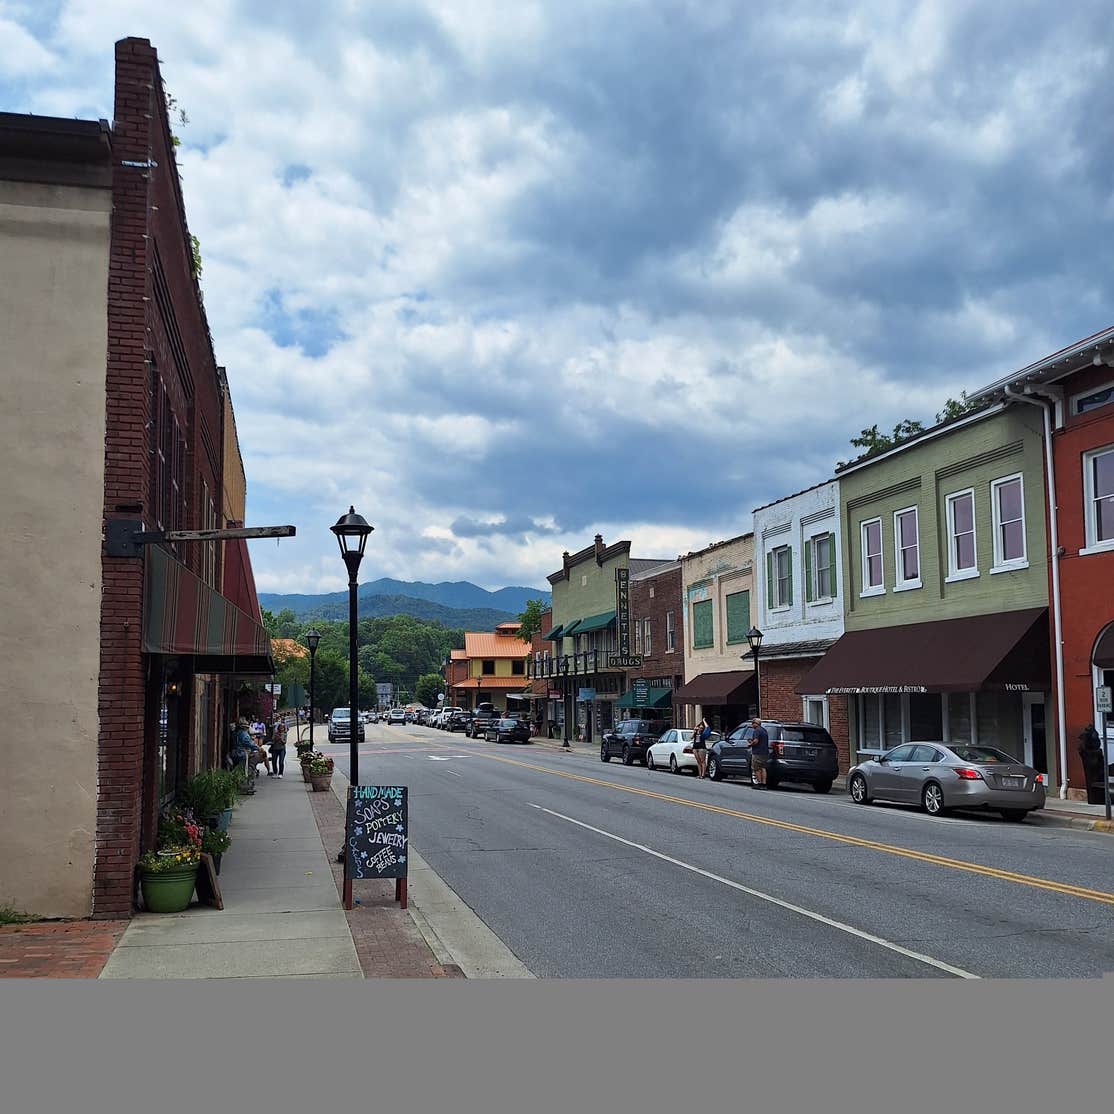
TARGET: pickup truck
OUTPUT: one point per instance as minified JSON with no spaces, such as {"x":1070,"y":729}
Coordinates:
{"x":483,"y":718}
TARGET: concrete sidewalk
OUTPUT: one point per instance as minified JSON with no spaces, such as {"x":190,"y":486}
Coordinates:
{"x":278,"y":889}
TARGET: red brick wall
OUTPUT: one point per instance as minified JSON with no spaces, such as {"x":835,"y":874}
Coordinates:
{"x":779,"y":699}
{"x":667,"y":597}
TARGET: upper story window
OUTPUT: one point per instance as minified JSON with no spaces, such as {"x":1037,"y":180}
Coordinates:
{"x":873,"y":571}
{"x":1104,"y":396}
{"x":779,"y":578}
{"x":1007,"y":501}
{"x":820,"y":568}
{"x":647,"y":646}
{"x":670,"y":632}
{"x":638,"y":636}
{"x":1098,"y":497}
{"x":907,"y":550}
{"x":488,"y":666}
{"x":518,"y":668}
{"x":703,"y":632}
{"x":963,"y":560}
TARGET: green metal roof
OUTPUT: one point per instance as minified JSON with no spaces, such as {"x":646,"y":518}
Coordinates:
{"x":554,"y":634}
{"x":571,"y":628}
{"x":595,"y":622}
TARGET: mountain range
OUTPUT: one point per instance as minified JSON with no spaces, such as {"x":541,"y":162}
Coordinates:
{"x":452,"y":603}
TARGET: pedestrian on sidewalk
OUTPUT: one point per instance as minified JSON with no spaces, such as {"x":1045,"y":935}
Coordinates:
{"x":759,"y":753}
{"x":278,"y":748}
{"x":700,"y":747}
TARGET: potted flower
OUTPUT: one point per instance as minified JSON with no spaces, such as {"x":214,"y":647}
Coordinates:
{"x":320,"y":768}
{"x":214,"y":842}
{"x":210,"y":795}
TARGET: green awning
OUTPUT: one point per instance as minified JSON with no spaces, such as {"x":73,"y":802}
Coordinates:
{"x":554,"y":634}
{"x":596,"y":622}
{"x":655,"y":698}
{"x":571,"y":628}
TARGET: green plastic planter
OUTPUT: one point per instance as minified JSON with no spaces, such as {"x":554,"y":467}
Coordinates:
{"x":171,"y":892}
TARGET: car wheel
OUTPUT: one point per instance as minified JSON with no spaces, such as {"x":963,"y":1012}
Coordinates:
{"x":714,"y":772}
{"x":650,"y":763}
{"x":605,"y":754}
{"x":628,"y":758}
{"x":822,"y":786}
{"x":932,"y":799}
{"x":772,"y":782}
{"x":673,"y":764}
{"x":1014,"y":815}
{"x":860,"y":794}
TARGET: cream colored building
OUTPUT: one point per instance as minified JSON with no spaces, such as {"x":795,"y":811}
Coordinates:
{"x":54,"y":256}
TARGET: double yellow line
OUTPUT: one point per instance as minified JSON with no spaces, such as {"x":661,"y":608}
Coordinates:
{"x":1100,"y":896}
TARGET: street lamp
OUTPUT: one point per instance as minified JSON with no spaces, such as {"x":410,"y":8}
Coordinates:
{"x":565,"y":698}
{"x":754,"y":640}
{"x":352,"y":532}
{"x":313,"y":637}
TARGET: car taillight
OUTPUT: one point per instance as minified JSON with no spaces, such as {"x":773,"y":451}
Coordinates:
{"x":687,"y":750}
{"x":965,"y":774}
{"x":778,"y":748}
{"x":1040,"y":779}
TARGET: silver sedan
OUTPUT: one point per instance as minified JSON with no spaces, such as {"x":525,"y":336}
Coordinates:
{"x":942,"y":776}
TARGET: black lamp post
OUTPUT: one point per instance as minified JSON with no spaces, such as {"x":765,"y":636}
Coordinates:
{"x":565,"y":698}
{"x":754,"y":639}
{"x":352,"y":532}
{"x":313,"y":637}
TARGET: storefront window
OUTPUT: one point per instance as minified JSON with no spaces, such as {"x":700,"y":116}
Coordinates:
{"x":959,"y":717}
{"x":925,"y":717}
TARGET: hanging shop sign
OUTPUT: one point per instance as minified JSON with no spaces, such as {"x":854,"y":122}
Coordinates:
{"x":622,"y":608}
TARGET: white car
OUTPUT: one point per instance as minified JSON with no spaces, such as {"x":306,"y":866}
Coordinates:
{"x":674,"y":749}
{"x":396,"y":715}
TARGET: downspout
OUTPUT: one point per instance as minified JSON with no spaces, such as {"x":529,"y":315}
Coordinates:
{"x":1054,"y":551}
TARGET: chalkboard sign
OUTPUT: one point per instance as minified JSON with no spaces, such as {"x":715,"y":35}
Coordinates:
{"x":375,"y":832}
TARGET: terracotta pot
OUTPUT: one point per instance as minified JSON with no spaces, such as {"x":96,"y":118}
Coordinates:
{"x":321,"y":782}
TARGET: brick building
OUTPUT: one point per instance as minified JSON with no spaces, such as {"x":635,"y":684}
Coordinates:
{"x":656,"y":607}
{"x":128,"y":658}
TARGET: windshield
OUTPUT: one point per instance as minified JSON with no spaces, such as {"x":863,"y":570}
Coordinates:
{"x":985,"y":755}
{"x":341,"y":713}
{"x":804,"y":735}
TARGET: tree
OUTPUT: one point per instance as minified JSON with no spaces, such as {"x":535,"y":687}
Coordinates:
{"x":428,"y":687}
{"x":531,"y":619}
{"x":873,"y":442}
{"x":953,"y":409}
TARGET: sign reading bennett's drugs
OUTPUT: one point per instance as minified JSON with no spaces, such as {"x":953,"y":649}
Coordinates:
{"x":375,"y":832}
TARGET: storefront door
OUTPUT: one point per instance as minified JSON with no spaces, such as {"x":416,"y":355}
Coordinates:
{"x":1036,"y":736}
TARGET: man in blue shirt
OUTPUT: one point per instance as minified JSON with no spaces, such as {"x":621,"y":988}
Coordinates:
{"x":759,"y":752}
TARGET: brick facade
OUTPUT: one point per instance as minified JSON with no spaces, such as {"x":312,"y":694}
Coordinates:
{"x":651,"y":598}
{"x":778,"y":681}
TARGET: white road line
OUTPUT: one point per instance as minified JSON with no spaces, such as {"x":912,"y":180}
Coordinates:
{"x":937,"y":963}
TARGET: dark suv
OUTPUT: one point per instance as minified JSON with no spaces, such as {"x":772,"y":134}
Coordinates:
{"x":629,"y":739}
{"x":798,"y":752}
{"x":482,"y":718}
{"x":460,"y":721}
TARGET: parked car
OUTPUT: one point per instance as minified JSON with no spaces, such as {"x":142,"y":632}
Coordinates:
{"x":799,"y":752}
{"x":941,"y":776}
{"x":460,"y":720}
{"x":506,"y":731}
{"x":446,"y":715}
{"x":674,"y":749}
{"x":340,"y":726}
{"x":628,"y":740}
{"x":396,"y":715}
{"x":483,"y":717}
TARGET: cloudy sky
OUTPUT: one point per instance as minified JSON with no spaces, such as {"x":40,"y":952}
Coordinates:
{"x":506,"y":275}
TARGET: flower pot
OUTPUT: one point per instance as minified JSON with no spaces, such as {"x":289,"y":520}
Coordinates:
{"x":305,"y":774}
{"x":169,"y":892}
{"x":320,"y":782}
{"x":224,"y":820}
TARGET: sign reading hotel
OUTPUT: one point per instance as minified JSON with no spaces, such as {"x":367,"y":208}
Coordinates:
{"x":622,"y":609}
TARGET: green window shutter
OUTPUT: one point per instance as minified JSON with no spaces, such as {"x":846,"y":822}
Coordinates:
{"x":702,"y":625}
{"x":738,"y":616}
{"x":789,"y":569}
{"x":770,"y":581}
{"x":809,"y":594}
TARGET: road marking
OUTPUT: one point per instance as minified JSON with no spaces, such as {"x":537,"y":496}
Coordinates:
{"x":447,"y":757}
{"x":1064,"y":888}
{"x":939,"y":964}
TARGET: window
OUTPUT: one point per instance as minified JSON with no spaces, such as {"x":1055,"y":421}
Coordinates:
{"x":1007,"y":500}
{"x":779,"y":578}
{"x":963,"y":561}
{"x":820,"y":568}
{"x":872,"y":557}
{"x":646,"y":644}
{"x":488,"y":666}
{"x":907,"y":550}
{"x":1102,"y":397}
{"x":638,"y":636}
{"x":518,"y":668}
{"x":816,"y":710}
{"x":702,"y":629}
{"x":670,"y":633}
{"x":1098,"y":495}
{"x":925,"y":754}
{"x":738,"y":617}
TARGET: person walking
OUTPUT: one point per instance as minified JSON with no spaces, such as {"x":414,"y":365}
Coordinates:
{"x":700,"y":747}
{"x":759,"y":753}
{"x":278,"y":748}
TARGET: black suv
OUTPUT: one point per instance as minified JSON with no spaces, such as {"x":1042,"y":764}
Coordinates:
{"x":629,"y":739}
{"x":460,"y":721}
{"x":798,"y":752}
{"x":482,"y":718}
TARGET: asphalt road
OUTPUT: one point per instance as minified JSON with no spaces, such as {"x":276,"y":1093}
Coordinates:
{"x":587,"y":870}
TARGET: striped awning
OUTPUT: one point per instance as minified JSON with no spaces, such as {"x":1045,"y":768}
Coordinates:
{"x":182,"y":615}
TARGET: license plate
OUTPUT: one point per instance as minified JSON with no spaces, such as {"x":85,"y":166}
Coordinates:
{"x":1013,"y":782}
{"x":810,"y":752}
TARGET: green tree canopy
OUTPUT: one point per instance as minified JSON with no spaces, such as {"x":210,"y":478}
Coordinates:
{"x":427,"y":689}
{"x":531,"y":619}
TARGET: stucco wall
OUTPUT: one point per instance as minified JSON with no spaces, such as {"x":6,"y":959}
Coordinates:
{"x":54,"y":244}
{"x":714,"y":574}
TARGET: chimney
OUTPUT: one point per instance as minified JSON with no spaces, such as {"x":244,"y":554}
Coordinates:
{"x":599,"y":548}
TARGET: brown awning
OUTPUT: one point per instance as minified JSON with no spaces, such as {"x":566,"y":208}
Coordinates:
{"x":718,"y":688}
{"x":1006,"y":651}
{"x":1104,"y":651}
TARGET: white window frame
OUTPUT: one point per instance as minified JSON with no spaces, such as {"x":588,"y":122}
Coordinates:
{"x":954,"y":573}
{"x":646,"y":637}
{"x":804,"y":710}
{"x":1077,"y":399}
{"x":1000,"y":564}
{"x":778,"y":605}
{"x":670,"y":633}
{"x":1094,"y":545}
{"x":829,"y":537}
{"x":868,"y":589}
{"x":900,"y":584}
{"x":638,"y":636}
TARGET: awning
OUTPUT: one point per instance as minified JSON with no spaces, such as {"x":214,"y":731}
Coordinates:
{"x":182,"y":615}
{"x":655,"y":698}
{"x":596,"y":622}
{"x":570,"y":628}
{"x":1104,"y":651}
{"x":734,"y":687}
{"x":554,"y":634}
{"x":1007,"y":651}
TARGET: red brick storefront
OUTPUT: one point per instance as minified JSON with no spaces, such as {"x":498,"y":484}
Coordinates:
{"x":654,"y":599}
{"x":778,"y":680}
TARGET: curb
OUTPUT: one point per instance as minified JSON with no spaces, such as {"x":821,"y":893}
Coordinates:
{"x":1079,"y":823}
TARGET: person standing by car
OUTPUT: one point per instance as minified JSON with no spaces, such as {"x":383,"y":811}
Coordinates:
{"x":759,"y":752}
{"x":700,"y":747}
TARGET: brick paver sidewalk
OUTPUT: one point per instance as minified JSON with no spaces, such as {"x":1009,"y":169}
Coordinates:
{"x":388,"y":943}
{"x":57,"y":949}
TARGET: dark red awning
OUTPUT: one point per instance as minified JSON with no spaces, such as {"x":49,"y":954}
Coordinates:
{"x":718,"y":688}
{"x":1005,"y":651}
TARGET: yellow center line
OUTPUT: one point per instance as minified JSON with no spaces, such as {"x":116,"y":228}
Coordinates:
{"x":1064,"y":888}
